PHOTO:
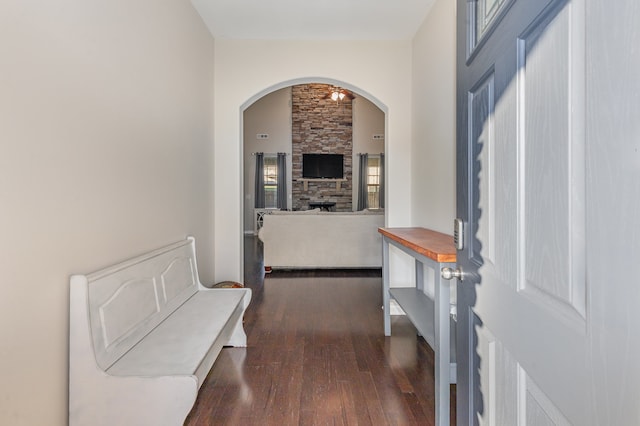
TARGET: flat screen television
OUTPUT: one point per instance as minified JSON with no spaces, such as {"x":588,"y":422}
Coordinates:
{"x":322,"y":166}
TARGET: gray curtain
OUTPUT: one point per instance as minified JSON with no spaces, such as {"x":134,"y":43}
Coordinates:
{"x":363,"y":197}
{"x":382,"y":183}
{"x":259,"y":188}
{"x":282,"y":181}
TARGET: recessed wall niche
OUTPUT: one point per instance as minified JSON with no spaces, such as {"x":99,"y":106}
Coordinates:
{"x":321,"y":125}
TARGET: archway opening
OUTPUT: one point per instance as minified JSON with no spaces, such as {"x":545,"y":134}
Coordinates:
{"x":303,"y":118}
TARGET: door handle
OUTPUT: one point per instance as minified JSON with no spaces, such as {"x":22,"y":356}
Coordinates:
{"x":450,"y":273}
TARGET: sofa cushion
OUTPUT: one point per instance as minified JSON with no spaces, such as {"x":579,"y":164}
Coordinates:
{"x":295,"y":212}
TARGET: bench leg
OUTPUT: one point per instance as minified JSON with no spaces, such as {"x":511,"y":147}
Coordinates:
{"x":238,"y":338}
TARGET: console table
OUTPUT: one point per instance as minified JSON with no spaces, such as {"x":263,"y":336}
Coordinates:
{"x":430,"y":316}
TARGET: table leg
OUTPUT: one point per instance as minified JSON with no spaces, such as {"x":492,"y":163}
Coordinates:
{"x":385,"y":287}
{"x":419,"y":275}
{"x":442,"y":349}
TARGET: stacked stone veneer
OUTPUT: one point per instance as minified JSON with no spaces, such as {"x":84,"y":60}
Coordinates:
{"x":321,"y":126}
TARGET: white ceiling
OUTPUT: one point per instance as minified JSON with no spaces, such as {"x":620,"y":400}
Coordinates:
{"x":313,"y":20}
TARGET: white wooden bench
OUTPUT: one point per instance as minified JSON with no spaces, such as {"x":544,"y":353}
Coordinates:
{"x":143,"y":336}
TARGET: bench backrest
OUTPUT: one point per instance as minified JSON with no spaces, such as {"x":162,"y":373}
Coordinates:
{"x":128,"y":300}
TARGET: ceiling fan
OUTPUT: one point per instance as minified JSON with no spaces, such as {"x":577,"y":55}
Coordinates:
{"x":338,"y":94}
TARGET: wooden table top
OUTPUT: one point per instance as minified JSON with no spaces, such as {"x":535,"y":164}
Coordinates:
{"x":432,"y":244}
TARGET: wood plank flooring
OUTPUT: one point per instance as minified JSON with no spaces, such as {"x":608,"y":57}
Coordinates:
{"x":317,"y":355}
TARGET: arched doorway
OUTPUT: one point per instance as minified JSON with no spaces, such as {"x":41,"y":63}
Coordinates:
{"x":301,"y":117}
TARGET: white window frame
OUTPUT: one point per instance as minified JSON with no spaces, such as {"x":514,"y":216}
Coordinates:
{"x":373,"y":181}
{"x":270,"y":174}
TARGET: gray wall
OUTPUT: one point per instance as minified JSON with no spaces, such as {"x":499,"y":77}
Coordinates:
{"x":368,"y":120}
{"x":270,"y":115}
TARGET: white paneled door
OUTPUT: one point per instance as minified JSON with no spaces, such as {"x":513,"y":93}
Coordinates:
{"x":549,"y":192}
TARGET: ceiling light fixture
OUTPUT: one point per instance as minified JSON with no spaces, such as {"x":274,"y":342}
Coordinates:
{"x":337,"y":95}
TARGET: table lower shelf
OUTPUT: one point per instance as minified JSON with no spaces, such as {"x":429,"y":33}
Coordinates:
{"x":420,"y":310}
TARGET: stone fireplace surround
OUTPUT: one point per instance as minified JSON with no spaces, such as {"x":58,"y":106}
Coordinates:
{"x":321,"y":125}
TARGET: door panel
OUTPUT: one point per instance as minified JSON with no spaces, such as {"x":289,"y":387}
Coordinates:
{"x":487,"y":350}
{"x":521,"y":193}
{"x":535,"y":407}
{"x":552,"y":164}
{"x":481,"y":112}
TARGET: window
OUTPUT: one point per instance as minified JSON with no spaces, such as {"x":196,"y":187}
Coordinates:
{"x":373,"y":182}
{"x":270,"y":182}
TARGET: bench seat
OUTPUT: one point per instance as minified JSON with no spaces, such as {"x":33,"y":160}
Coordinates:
{"x":180,"y":344}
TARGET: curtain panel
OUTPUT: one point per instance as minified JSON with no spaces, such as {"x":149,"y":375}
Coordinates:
{"x":363,"y":196}
{"x":282,"y":181}
{"x":382,"y":182}
{"x":259,"y":184}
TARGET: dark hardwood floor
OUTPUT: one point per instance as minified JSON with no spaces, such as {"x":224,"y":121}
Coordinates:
{"x":317,"y":355}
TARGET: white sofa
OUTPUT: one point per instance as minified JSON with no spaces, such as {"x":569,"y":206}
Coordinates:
{"x":143,"y":336}
{"x":314,"y":239}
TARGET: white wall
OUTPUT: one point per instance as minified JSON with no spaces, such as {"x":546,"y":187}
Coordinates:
{"x":271,"y":115}
{"x":368,"y":120}
{"x":105,"y":129}
{"x":246,"y":70}
{"x":433,"y":147}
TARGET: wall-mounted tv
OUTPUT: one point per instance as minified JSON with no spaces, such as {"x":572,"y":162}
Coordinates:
{"x":322,"y":166}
